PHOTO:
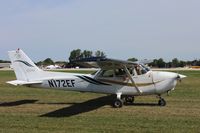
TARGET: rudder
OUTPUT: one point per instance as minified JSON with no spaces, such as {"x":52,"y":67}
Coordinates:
{"x":23,"y":66}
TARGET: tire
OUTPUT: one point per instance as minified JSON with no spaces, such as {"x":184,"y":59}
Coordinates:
{"x":129,"y":99}
{"x":118,"y":103}
{"x":162,"y":102}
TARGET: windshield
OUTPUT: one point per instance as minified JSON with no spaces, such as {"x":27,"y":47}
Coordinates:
{"x":141,"y":69}
{"x":95,"y":72}
{"x":145,"y":68}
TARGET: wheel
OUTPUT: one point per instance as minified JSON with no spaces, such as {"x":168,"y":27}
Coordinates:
{"x":162,"y":102}
{"x":118,"y":103}
{"x":129,"y":99}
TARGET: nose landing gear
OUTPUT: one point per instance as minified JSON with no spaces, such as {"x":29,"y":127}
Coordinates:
{"x":129,"y":99}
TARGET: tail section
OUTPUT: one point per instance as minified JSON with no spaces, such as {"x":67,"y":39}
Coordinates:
{"x":25,"y":69}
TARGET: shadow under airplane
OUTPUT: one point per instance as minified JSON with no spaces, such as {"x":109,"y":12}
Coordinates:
{"x":87,"y":106}
{"x":75,"y":108}
{"x":142,"y":104}
{"x":17,"y":103}
{"x":78,"y":108}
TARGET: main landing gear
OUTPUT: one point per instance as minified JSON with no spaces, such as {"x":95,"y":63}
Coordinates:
{"x":161,"y":101}
{"x":120,"y":101}
{"x":125,"y":99}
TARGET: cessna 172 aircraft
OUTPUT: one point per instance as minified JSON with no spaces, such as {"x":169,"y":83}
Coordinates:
{"x":124,"y":79}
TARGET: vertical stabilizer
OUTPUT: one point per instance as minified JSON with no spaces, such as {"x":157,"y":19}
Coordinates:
{"x":25,"y":69}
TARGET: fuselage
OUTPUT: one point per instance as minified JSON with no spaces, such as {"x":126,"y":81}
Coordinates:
{"x":150,"y":83}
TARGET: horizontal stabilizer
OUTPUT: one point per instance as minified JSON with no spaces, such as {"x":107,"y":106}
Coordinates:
{"x":19,"y":82}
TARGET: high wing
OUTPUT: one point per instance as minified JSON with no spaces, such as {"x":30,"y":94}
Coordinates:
{"x":104,"y":63}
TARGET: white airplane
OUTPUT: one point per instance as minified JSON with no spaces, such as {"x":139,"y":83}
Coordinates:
{"x":124,"y":79}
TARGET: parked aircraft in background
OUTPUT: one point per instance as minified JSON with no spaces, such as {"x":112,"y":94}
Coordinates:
{"x":53,"y":67}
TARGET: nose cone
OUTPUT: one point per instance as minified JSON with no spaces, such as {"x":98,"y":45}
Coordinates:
{"x":181,"y":76}
{"x":158,"y":76}
{"x":166,"y":81}
{"x":164,"y":75}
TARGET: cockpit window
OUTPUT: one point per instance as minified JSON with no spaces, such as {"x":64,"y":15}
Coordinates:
{"x":145,"y":67}
{"x":141,"y":69}
{"x":93,"y":73}
{"x":120,"y":72}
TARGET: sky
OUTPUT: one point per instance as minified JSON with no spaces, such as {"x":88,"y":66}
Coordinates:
{"x":144,"y":29}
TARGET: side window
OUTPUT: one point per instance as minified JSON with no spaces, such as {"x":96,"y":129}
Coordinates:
{"x":107,"y":73}
{"x":131,"y":71}
{"x":120,"y":72}
{"x":138,"y":70}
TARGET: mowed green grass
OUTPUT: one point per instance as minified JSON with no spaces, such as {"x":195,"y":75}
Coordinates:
{"x":33,"y":110}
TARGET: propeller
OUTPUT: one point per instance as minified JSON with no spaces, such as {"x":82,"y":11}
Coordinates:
{"x":180,"y":77}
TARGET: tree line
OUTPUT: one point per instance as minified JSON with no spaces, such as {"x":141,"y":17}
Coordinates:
{"x":160,"y":63}
{"x":157,"y":63}
{"x":78,"y":54}
{"x":4,"y":61}
{"x":74,"y":54}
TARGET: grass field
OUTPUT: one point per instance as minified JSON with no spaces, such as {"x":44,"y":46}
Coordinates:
{"x":33,"y":110}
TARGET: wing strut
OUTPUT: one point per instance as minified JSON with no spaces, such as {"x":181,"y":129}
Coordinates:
{"x":133,"y":82}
